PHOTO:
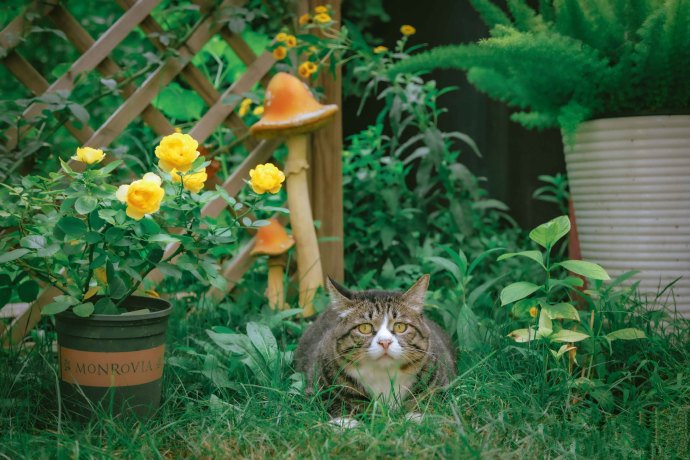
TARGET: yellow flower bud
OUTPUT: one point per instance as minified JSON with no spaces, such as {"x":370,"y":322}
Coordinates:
{"x":380,"y":49}
{"x":266,"y":178}
{"x":279,"y":53}
{"x":321,"y":9}
{"x":258,"y":110}
{"x":177,"y":151}
{"x":408,"y":30}
{"x":88,"y":155}
{"x":304,"y":19}
{"x":142,"y":196}
{"x":192,"y":182}
{"x":533,"y":312}
{"x":244,"y":106}
{"x":322,"y":18}
{"x":281,"y":37}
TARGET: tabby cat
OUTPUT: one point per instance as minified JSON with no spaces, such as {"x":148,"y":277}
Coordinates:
{"x":374,"y":345}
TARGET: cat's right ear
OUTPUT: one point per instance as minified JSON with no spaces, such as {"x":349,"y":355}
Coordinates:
{"x":340,"y":296}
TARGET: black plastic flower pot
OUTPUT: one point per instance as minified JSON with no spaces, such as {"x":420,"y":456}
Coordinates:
{"x":113,"y":362}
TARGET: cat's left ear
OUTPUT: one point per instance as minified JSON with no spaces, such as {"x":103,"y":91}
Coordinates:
{"x":340,"y":296}
{"x":414,"y":297}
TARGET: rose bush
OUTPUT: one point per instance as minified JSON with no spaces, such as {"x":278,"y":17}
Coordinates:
{"x":90,"y":239}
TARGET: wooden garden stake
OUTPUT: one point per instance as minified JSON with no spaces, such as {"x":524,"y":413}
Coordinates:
{"x":291,"y":111}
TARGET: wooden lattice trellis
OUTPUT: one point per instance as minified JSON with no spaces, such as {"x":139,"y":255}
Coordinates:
{"x":137,"y":103}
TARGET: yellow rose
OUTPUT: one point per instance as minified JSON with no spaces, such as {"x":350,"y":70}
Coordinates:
{"x":408,"y":30}
{"x":279,"y":53}
{"x":266,"y":178}
{"x":322,"y":18}
{"x":142,"y":196}
{"x":88,"y":155}
{"x":304,"y":19}
{"x":177,"y":151}
{"x":321,"y":9}
{"x":244,"y":106}
{"x":380,"y":49}
{"x":291,"y":41}
{"x":258,"y":110}
{"x":192,"y":182}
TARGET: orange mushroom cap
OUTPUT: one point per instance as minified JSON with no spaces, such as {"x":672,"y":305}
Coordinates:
{"x":272,"y":239}
{"x":290,"y":108}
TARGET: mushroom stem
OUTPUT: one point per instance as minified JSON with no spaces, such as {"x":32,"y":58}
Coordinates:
{"x":275,"y":292}
{"x":302,"y":221}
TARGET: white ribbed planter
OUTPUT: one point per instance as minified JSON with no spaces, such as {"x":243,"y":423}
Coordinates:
{"x":630,"y":185}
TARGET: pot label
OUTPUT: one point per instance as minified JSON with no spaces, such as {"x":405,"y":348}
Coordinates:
{"x":111,"y":369}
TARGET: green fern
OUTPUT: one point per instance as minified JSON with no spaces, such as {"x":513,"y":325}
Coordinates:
{"x":573,"y":60}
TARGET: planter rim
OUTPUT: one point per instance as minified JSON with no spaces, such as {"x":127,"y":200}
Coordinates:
{"x":637,"y":116}
{"x":162,"y":308}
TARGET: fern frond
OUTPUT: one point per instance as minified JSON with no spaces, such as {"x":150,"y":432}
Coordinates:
{"x":491,"y":14}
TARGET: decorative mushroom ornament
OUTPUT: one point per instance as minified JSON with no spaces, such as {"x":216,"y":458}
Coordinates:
{"x":273,"y":241}
{"x":290,"y":111}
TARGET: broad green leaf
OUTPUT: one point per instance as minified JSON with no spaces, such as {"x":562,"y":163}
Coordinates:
{"x":85,"y":204}
{"x":84,"y":309}
{"x":546,"y":235}
{"x":534,"y":255}
{"x":467,"y":328}
{"x":59,"y":304}
{"x":72,"y":226}
{"x":110,"y":166}
{"x":48,"y":251}
{"x":570,"y":282}
{"x":163,"y":238}
{"x":447,"y":265}
{"x":117,"y":287}
{"x":13,"y":255}
{"x":561,"y":351}
{"x":561,"y":310}
{"x":629,"y":333}
{"x":517,"y":291}
{"x":33,"y":242}
{"x":28,"y":291}
{"x":523,"y":335}
{"x":566,"y":335}
{"x":263,"y":340}
{"x":545,"y":325}
{"x":586,"y":269}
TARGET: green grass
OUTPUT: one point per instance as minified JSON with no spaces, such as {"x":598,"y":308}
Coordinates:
{"x":500,"y":406}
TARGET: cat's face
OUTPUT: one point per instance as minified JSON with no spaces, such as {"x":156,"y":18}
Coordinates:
{"x":382,"y":327}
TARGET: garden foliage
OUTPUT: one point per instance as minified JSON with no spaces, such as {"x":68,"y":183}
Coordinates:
{"x":573,"y":60}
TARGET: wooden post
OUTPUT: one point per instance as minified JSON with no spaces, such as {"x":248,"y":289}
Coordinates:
{"x":326,"y":166}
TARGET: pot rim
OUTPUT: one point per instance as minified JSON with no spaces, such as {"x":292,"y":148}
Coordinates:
{"x":163,"y":309}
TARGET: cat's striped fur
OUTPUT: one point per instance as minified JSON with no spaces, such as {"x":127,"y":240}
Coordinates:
{"x":352,"y":366}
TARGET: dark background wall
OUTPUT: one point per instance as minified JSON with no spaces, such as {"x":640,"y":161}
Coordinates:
{"x":513,"y":157}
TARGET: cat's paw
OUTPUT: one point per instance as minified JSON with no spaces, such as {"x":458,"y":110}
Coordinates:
{"x":344,"y":422}
{"x":415,"y":417}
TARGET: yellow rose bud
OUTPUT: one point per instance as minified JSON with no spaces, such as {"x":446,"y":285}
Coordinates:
{"x":322,"y":18}
{"x":279,"y":53}
{"x":291,"y":41}
{"x":321,"y":9}
{"x":258,"y":110}
{"x":408,"y":30}
{"x":88,"y":155}
{"x":142,"y":196}
{"x":266,"y":178}
{"x":281,"y":37}
{"x":177,"y":151}
{"x":533,"y":312}
{"x":192,"y":182}
{"x":304,"y":19}
{"x":380,"y":49}
{"x":244,"y":106}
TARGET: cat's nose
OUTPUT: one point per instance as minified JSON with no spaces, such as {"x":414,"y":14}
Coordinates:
{"x":385,"y":343}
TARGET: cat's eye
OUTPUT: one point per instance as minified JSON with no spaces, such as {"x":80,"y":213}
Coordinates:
{"x":399,"y":328}
{"x":365,"y":328}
